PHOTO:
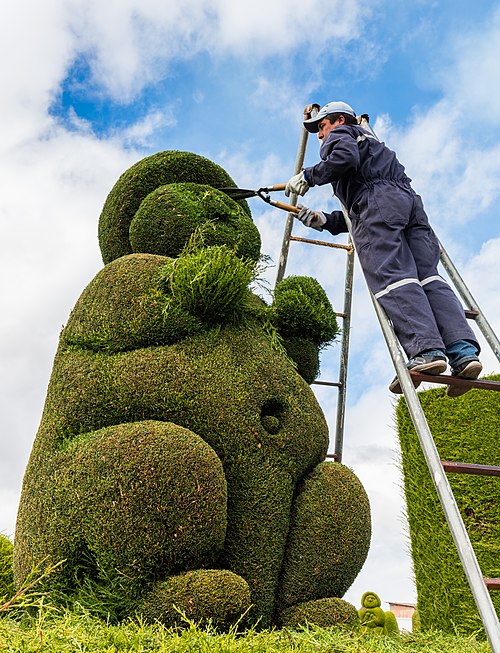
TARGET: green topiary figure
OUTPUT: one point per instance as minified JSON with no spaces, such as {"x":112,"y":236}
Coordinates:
{"x":178,"y":463}
{"x":6,"y":571}
{"x":373,"y":618}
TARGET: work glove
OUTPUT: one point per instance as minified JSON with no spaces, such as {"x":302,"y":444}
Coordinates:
{"x":297,"y":184}
{"x":310,"y":218}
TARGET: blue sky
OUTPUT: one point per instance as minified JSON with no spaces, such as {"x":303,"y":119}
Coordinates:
{"x":89,"y":88}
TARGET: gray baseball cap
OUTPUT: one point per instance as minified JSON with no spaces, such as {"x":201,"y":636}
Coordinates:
{"x":332,"y":107}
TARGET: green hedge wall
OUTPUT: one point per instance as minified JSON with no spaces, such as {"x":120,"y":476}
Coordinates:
{"x":465,"y":429}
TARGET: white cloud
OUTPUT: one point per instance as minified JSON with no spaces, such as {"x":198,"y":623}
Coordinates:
{"x":450,"y":149}
{"x":130,"y":43}
{"x":474,"y":86}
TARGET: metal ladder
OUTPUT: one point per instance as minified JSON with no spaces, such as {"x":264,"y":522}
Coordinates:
{"x":438,"y":468}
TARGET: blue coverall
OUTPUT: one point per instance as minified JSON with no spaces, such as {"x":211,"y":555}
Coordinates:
{"x":396,"y":246}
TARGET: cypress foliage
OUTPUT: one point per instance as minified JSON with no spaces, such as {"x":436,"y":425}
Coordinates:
{"x":178,"y":449}
{"x":6,"y":570}
{"x":465,"y":429}
{"x":143,"y":178}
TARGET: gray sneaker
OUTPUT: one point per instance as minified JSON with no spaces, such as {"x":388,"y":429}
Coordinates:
{"x":468,"y":367}
{"x":421,"y":363}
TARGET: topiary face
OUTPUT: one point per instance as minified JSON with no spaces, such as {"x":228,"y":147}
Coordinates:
{"x":168,"y":216}
{"x":370,"y":600}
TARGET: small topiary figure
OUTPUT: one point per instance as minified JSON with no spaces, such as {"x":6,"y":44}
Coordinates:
{"x":372,"y":617}
{"x":178,"y":462}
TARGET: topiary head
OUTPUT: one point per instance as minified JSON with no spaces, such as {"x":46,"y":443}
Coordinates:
{"x":158,"y":202}
{"x":370,"y":600}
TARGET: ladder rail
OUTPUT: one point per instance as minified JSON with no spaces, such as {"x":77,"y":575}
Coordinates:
{"x":446,"y":498}
{"x":346,"y":315}
{"x":299,"y":162}
{"x":344,"y":354}
{"x":482,"y":323}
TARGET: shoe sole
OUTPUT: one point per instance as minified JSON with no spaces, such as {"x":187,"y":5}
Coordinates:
{"x":434,"y":368}
{"x":471,"y":371}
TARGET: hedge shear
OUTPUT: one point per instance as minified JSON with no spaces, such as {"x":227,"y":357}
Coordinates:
{"x":263,"y":193}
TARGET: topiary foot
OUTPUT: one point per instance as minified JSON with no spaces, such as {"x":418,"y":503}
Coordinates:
{"x":205,"y":595}
{"x":325,"y":549}
{"x":323,"y":613}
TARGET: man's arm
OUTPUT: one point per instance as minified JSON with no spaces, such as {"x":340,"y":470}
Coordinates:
{"x":335,"y":223}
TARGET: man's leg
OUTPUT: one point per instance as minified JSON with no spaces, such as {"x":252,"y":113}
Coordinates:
{"x":389,"y":267}
{"x":391,"y":274}
{"x":447,"y":310}
{"x":462,"y":348}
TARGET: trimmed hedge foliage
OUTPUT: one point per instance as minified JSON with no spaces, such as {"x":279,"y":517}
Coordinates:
{"x":145,"y":177}
{"x":6,"y":571}
{"x":168,"y":216}
{"x":465,"y":429}
{"x":177,"y":462}
{"x":325,"y":549}
{"x":322,"y":613}
{"x":219,"y":593}
{"x":302,"y":307}
{"x":373,"y":619}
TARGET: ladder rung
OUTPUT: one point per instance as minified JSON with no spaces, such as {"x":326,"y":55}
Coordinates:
{"x":482,"y":384}
{"x":320,"y":242}
{"x":470,"y":314}
{"x":470,"y":468}
{"x":337,"y":385}
{"x":492,"y":583}
{"x":332,"y":455}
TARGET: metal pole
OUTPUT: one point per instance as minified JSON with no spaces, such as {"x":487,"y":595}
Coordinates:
{"x":344,"y":354}
{"x":299,"y":161}
{"x":469,"y":300}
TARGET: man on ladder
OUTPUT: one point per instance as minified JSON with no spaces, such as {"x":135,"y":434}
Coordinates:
{"x":396,"y":246}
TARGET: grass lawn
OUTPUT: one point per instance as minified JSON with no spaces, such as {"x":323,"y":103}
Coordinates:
{"x":54,"y":630}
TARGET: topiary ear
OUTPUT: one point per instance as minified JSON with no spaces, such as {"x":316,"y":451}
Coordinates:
{"x":305,"y":319}
{"x":302,"y":310}
{"x":209,"y":283}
